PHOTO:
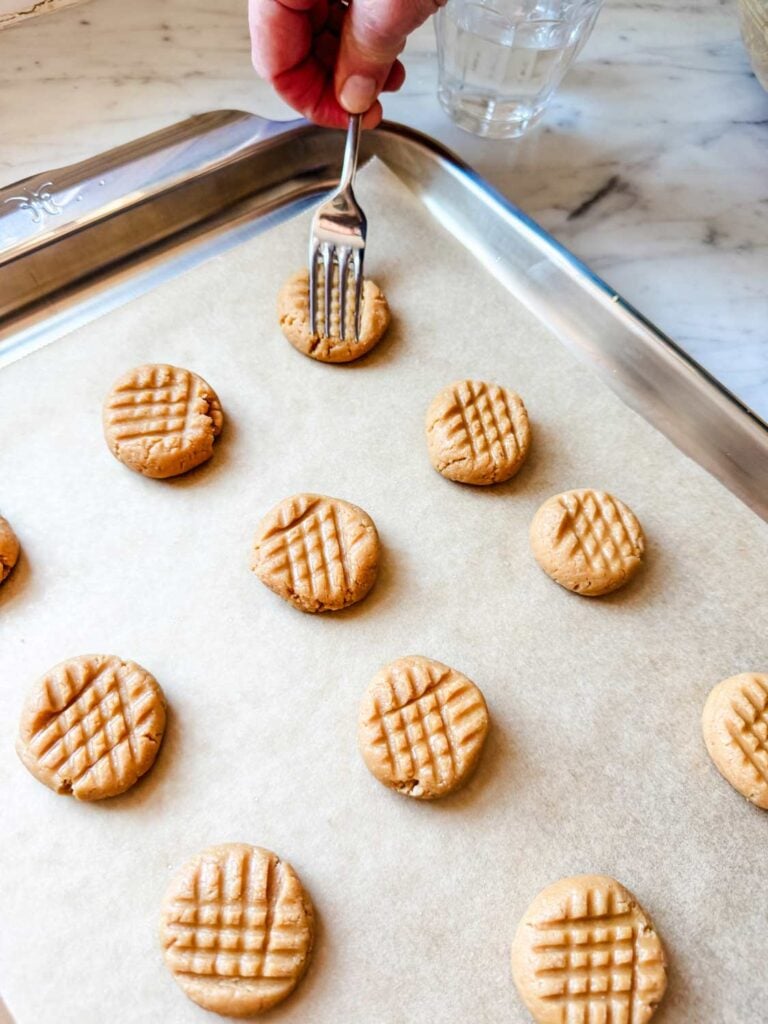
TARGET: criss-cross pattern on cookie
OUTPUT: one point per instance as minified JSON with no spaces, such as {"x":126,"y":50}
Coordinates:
{"x":482,"y":424}
{"x":599,"y":962}
{"x":238,"y":914}
{"x":596,"y":528}
{"x":158,"y":402}
{"x":315,"y":548}
{"x":425,"y":723}
{"x":747,"y":725}
{"x":89,"y":733}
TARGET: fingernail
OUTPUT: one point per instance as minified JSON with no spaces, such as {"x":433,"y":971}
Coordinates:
{"x":358,"y":94}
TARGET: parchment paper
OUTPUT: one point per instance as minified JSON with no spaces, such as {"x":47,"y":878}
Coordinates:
{"x":595,"y":761}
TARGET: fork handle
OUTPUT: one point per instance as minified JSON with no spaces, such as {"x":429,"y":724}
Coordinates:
{"x":351,"y":149}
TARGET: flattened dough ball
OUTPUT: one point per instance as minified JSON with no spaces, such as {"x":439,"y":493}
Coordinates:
{"x":320,"y":554}
{"x":293,"y":313}
{"x":585,"y":950}
{"x":587,"y":541}
{"x":237,"y":929}
{"x":92,"y":726}
{"x":477,"y":433}
{"x":9,"y":549}
{"x":735,"y":727}
{"x":161,"y":420}
{"x":422,"y":726}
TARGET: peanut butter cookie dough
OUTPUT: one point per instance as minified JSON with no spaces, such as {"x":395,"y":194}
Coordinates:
{"x":585,"y":950}
{"x":9,"y":549}
{"x":320,"y":554}
{"x":92,"y":726}
{"x":587,"y":541}
{"x":422,"y":726}
{"x":477,"y":433}
{"x":237,"y":929}
{"x":293,"y":313}
{"x":735,"y":727}
{"x":161,"y":420}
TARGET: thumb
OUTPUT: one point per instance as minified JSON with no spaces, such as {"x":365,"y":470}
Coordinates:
{"x":373,"y":34}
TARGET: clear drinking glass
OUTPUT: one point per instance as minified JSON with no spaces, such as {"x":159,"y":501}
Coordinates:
{"x":501,"y":61}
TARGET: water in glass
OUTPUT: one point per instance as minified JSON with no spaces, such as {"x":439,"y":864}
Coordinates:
{"x":499,"y":64}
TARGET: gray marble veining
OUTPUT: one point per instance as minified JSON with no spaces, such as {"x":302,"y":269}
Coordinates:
{"x":651,"y":164}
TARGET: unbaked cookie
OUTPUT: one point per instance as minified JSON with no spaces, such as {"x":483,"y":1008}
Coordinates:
{"x":422,"y":726}
{"x":293,"y":312}
{"x":735,"y":726}
{"x":9,"y":549}
{"x":237,"y":929}
{"x":477,"y":433}
{"x":319,"y":553}
{"x":587,"y":541}
{"x":92,"y":726}
{"x":161,"y":420}
{"x":586,"y":951}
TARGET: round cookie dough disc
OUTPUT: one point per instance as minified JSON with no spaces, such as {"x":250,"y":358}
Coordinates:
{"x":9,"y":549}
{"x":161,"y":420}
{"x":319,"y":553}
{"x":477,"y":433}
{"x":585,"y":950}
{"x":422,"y":726}
{"x":293,"y":313}
{"x":735,"y":727}
{"x":92,"y":726}
{"x":237,"y":929}
{"x":587,"y":541}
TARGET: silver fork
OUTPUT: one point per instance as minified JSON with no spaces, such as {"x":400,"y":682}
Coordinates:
{"x":338,"y":235}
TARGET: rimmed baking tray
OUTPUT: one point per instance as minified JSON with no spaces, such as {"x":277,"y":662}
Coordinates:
{"x":594,"y":760}
{"x":79,"y":240}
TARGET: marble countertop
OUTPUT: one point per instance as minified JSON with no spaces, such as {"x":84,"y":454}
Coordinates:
{"x":650,"y":164}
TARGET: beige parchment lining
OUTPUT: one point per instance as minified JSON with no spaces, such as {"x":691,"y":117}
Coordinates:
{"x":594,"y":762}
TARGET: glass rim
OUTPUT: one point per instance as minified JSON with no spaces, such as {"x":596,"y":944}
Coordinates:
{"x":574,"y":8}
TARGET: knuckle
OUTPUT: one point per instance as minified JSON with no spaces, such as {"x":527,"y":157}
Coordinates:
{"x":379,"y":38}
{"x":382,"y":29}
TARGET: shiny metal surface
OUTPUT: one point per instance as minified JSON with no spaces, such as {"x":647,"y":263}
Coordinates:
{"x":338,"y":232}
{"x":78,"y":241}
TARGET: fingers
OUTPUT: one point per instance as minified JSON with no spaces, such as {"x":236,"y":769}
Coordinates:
{"x":373,"y":34}
{"x":295,"y":46}
{"x":281,"y":34}
{"x":309,"y":89}
{"x":326,"y":49}
{"x":395,"y":78}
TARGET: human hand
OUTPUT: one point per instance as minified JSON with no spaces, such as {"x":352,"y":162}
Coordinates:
{"x":328,"y":61}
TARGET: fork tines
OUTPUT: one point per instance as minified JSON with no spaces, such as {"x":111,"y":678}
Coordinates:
{"x":331,"y":263}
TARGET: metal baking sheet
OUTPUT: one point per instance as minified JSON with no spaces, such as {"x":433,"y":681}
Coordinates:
{"x":79,"y":240}
{"x":594,"y":762}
